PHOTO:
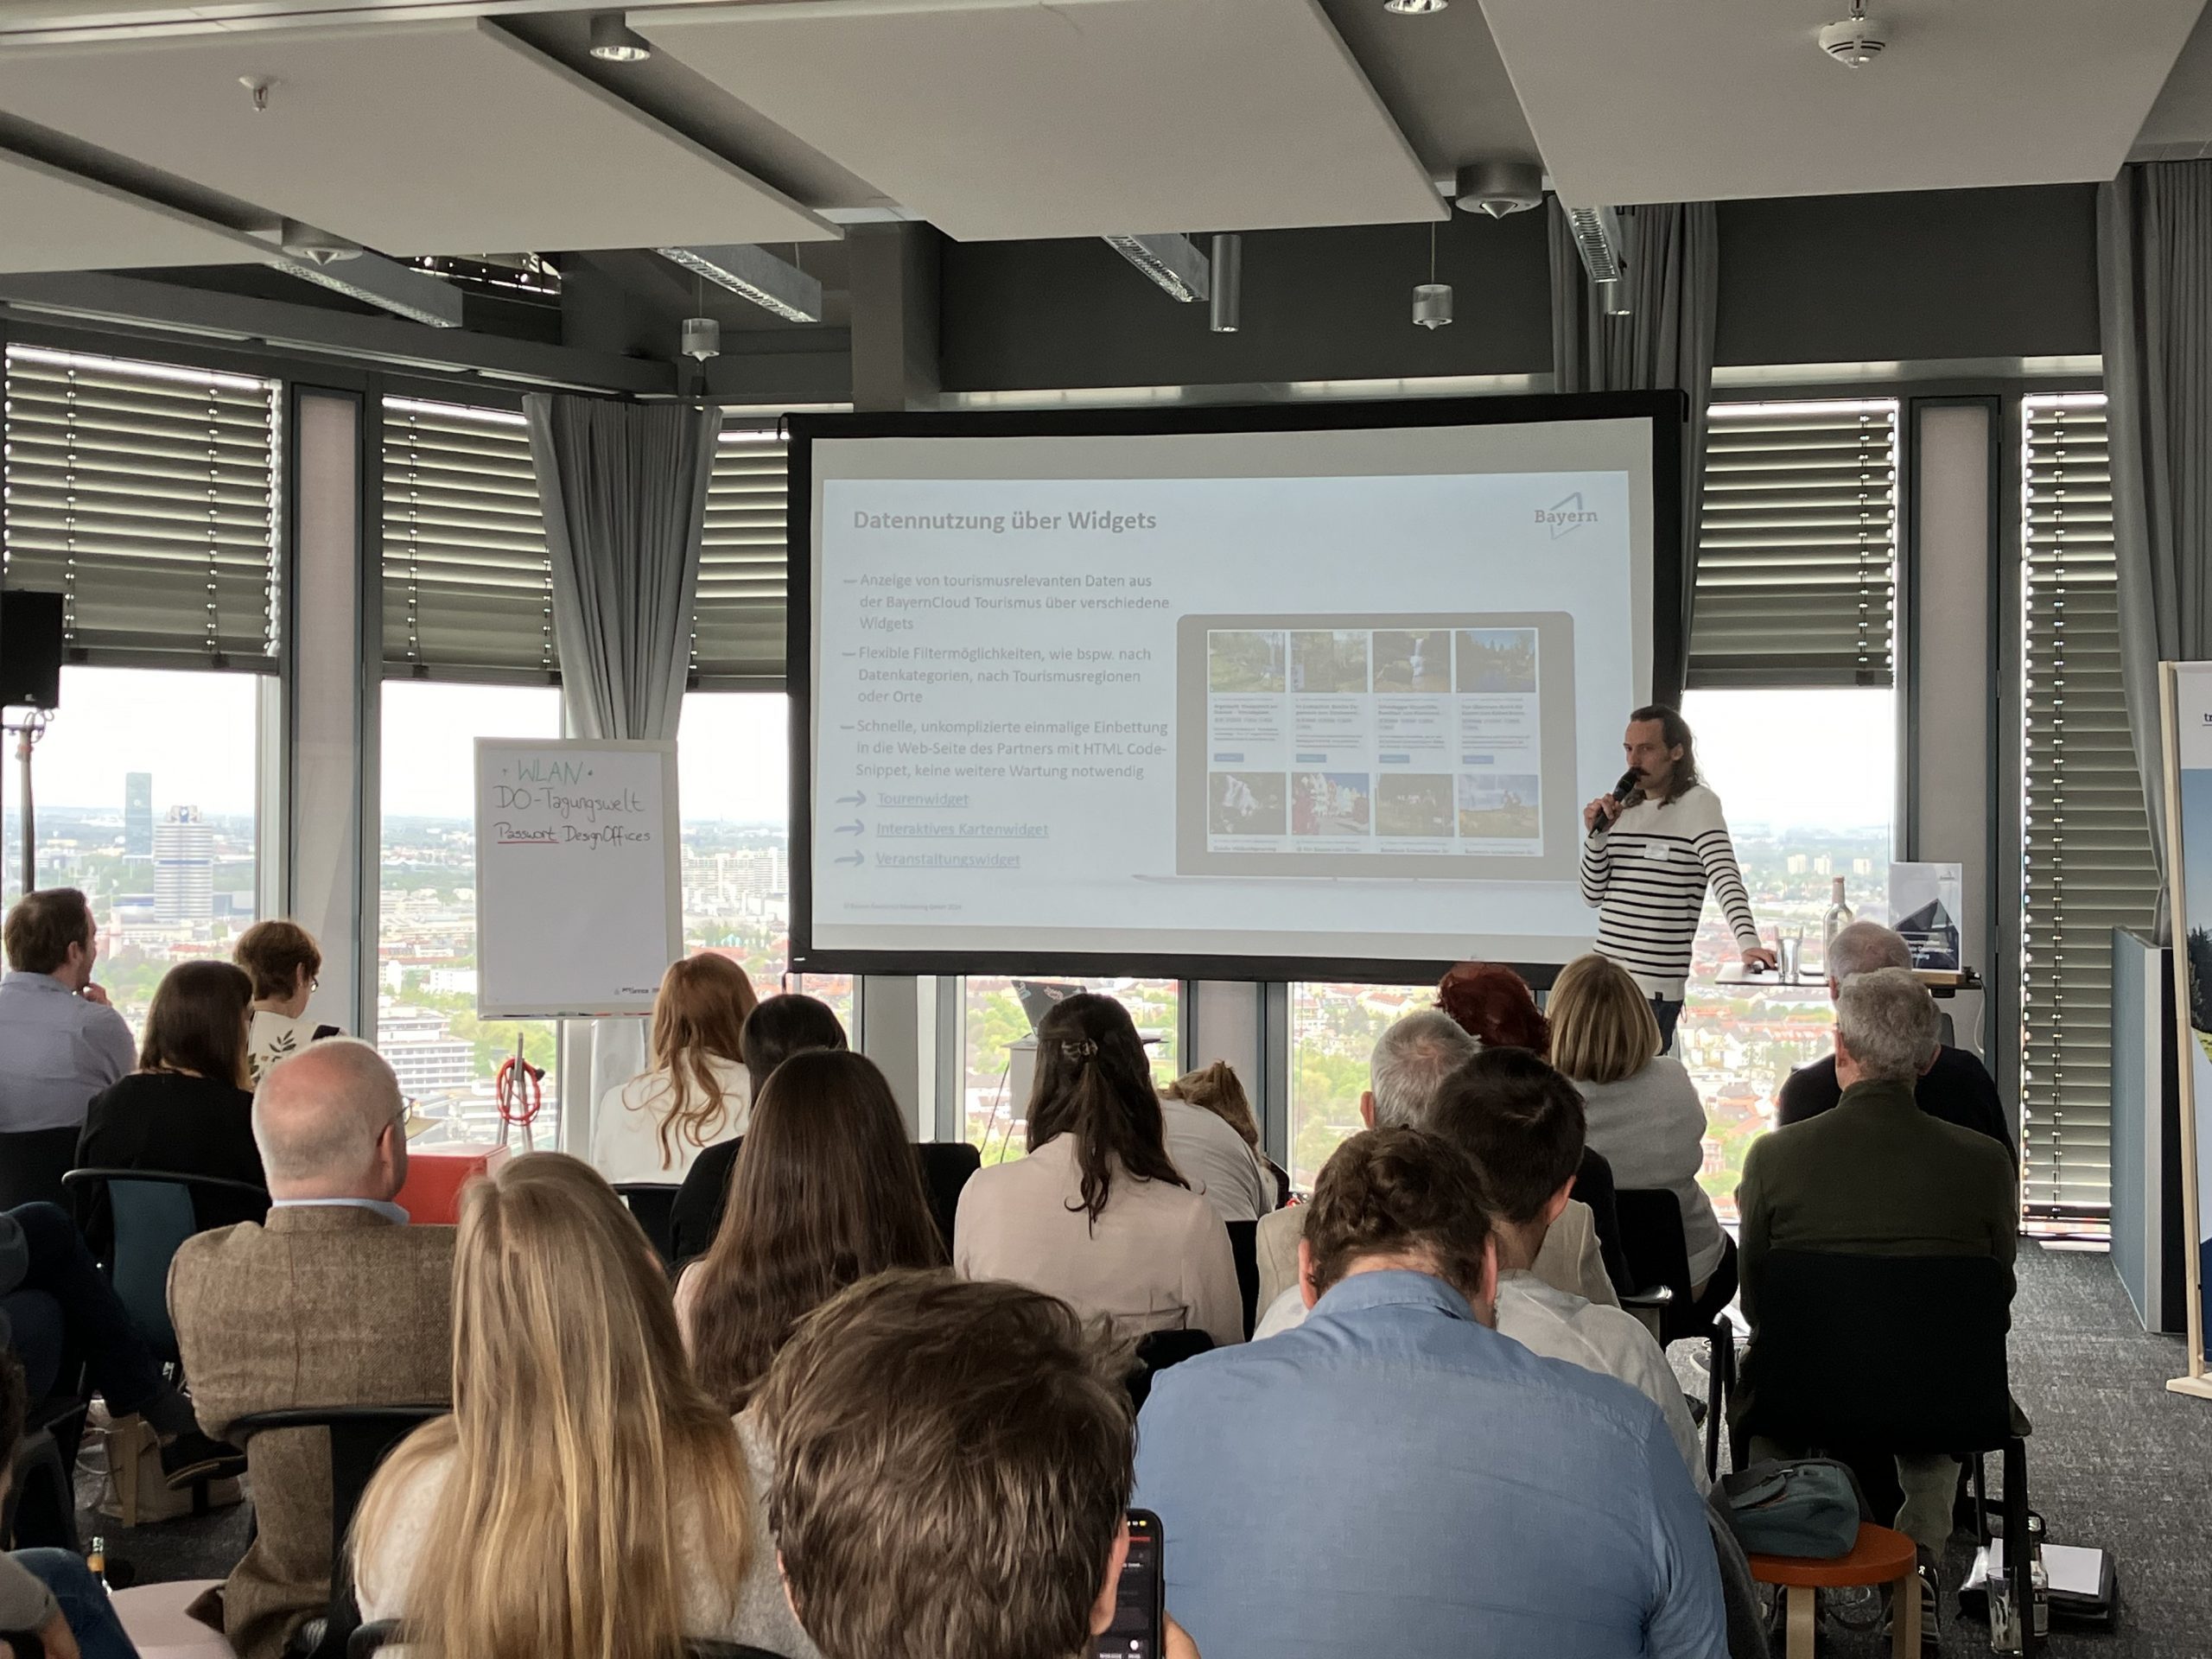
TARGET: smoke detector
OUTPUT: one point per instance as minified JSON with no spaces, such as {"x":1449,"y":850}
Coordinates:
{"x":1856,"y":41}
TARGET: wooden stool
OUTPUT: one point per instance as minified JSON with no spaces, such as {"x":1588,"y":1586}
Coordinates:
{"x":1880,"y":1556}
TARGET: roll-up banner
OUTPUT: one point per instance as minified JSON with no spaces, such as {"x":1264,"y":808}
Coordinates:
{"x":2185,"y":703}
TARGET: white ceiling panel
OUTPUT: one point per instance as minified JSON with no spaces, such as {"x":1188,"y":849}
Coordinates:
{"x":1001,"y":118}
{"x":56,"y":221}
{"x":1634,"y":102}
{"x":444,"y":137}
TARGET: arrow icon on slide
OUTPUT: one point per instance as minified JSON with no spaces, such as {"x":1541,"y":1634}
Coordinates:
{"x":855,"y":828}
{"x":854,"y":858}
{"x":856,"y":798}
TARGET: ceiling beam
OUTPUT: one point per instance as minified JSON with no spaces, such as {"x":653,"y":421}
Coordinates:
{"x":167,"y":308}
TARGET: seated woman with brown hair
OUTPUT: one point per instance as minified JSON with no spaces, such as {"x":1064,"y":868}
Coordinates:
{"x":283,"y":962}
{"x":188,"y":1108}
{"x":827,"y":1191}
{"x":1098,"y":1214}
{"x":586,"y":1498}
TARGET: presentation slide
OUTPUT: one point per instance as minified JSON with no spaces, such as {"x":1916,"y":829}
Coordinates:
{"x":1284,"y":695}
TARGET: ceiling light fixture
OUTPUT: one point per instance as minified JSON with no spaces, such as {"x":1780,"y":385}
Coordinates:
{"x":755,"y":273}
{"x":703,"y":337}
{"x":1227,"y":281}
{"x":305,"y":242}
{"x":1856,"y":41}
{"x":1172,"y":260}
{"x":1432,"y":299}
{"x":613,"y":40}
{"x":373,"y":280}
{"x":1498,"y":187}
{"x":1415,"y":8}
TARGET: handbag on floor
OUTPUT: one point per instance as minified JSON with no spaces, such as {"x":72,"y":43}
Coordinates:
{"x":136,"y":1492}
{"x":1805,"y":1507}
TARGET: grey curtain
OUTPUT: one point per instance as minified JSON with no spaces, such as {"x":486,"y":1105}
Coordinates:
{"x":2154,"y":300}
{"x":624,"y":489}
{"x":1665,"y":343}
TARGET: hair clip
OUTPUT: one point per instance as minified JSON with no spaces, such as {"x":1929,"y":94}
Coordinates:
{"x":1080,"y":1049}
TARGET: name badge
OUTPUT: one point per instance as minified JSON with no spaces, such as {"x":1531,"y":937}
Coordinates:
{"x":1659,"y":849}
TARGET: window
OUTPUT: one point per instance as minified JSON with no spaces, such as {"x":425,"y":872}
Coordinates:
{"x":427,"y":1025}
{"x":1793,"y":630}
{"x":733,"y":783}
{"x":146,"y":496}
{"x":996,"y":1067}
{"x":1802,"y":818}
{"x":1796,"y":571}
{"x":1333,"y":1030}
{"x":2086,"y":865}
{"x":144,"y":795}
{"x":737,"y":638}
{"x":467,"y":587}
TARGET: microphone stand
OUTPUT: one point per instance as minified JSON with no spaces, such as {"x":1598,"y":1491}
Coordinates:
{"x":27,"y":731}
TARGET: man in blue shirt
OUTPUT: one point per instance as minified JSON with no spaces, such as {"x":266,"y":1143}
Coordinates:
{"x":1396,"y":1478}
{"x":60,"y":1043}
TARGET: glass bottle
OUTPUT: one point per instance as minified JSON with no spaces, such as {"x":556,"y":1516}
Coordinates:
{"x":96,"y":1561}
{"x":1838,"y":917}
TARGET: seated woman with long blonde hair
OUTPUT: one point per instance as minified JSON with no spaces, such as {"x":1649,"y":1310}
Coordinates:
{"x":585,"y":1500}
{"x":695,"y":1094}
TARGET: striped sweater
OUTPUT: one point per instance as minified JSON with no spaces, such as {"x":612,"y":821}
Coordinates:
{"x":1646,"y":876}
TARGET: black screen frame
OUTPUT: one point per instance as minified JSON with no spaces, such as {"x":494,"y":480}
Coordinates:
{"x":1668,"y":413}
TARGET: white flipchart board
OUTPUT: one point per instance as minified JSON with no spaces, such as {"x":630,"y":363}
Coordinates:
{"x":579,"y":895}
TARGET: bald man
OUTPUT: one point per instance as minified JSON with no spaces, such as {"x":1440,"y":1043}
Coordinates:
{"x":335,"y":1301}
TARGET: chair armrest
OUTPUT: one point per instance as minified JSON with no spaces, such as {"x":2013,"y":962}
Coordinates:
{"x":372,"y":1638}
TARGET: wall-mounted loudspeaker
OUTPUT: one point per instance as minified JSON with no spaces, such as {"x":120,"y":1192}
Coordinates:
{"x":30,"y":649}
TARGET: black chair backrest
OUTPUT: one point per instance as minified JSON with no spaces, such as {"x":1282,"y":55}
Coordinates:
{"x":653,"y":1203}
{"x":1156,"y":1352}
{"x":1904,"y":1353}
{"x":1245,"y":1248}
{"x":32,"y":1164}
{"x":1657,"y":1252}
{"x":362,"y":1437}
{"x":946,"y":1166}
{"x":151,"y":1212}
{"x":1593,"y":1186}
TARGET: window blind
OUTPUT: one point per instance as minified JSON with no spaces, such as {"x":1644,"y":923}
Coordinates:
{"x":737,"y":640}
{"x":146,"y":496}
{"x":2085,"y":838}
{"x":467,"y":587}
{"x":1796,"y":571}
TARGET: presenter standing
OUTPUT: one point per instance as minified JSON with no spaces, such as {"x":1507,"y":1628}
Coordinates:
{"x":1653,"y":849}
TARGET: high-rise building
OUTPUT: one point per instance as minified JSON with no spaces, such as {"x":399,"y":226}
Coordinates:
{"x":184,"y":866}
{"x":138,"y":814}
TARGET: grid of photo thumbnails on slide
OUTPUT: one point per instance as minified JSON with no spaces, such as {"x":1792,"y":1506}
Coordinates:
{"x":1396,"y":740}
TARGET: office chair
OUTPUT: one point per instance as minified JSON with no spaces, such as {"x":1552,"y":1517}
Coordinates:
{"x":360,"y":1437}
{"x":152,"y":1212}
{"x":1869,"y":1356}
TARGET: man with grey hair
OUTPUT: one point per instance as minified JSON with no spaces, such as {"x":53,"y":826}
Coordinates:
{"x":1412,"y":1060}
{"x":1955,"y":1086}
{"x":333,"y":1300}
{"x":1879,"y":1176}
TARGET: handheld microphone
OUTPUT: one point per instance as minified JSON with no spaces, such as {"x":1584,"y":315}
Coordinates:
{"x":1627,"y":787}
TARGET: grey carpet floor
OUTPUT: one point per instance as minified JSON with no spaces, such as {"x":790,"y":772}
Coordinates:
{"x":2116,"y":1461}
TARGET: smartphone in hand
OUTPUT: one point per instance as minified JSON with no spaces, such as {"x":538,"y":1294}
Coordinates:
{"x":1140,"y":1607}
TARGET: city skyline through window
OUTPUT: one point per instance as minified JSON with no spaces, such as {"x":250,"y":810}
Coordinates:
{"x":144,"y":795}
